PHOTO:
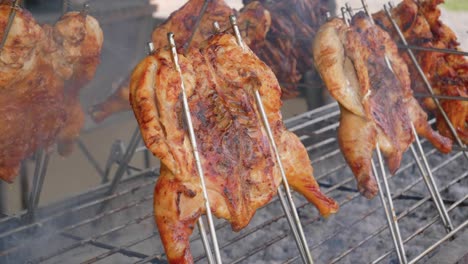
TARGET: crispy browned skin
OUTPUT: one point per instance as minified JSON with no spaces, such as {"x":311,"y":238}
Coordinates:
{"x":239,"y":166}
{"x":447,"y":73}
{"x":41,"y":72}
{"x":254,"y":21}
{"x":379,"y":107}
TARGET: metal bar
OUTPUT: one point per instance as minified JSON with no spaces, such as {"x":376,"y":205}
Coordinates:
{"x":123,"y":251}
{"x":404,"y":213}
{"x":96,"y":202}
{"x":148,"y":198}
{"x":196,"y":154}
{"x":42,"y":161}
{"x":134,"y":141}
{"x":389,"y":212}
{"x":11,"y":18}
{"x":115,"y":250}
{"x":430,"y":182}
{"x":432,"y":49}
{"x":90,"y":157}
{"x":420,"y":230}
{"x":289,"y":207}
{"x":196,"y":26}
{"x":327,"y":192}
{"x":426,"y":81}
{"x":438,"y":243}
{"x":445,"y":97}
{"x":205,"y":242}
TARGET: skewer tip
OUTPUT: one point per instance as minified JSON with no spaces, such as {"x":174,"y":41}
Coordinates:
{"x":216,"y":27}
{"x":233,"y":20}
{"x":151,"y":48}
{"x":85,"y":10}
{"x":170,"y":38}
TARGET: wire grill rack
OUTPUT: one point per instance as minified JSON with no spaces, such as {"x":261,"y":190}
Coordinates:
{"x":113,"y":223}
{"x":76,"y":230}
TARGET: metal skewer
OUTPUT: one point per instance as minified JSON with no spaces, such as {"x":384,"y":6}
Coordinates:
{"x":11,"y":18}
{"x":387,"y":202}
{"x":288,"y":206}
{"x":432,"y":49}
{"x":426,"y":81}
{"x":40,"y":170}
{"x":196,"y":154}
{"x":424,"y":168}
{"x":426,"y":173}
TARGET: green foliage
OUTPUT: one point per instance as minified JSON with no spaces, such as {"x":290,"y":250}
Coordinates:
{"x":456,"y":5}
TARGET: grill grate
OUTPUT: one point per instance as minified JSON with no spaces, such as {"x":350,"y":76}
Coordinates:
{"x":113,"y":223}
{"x":76,"y":231}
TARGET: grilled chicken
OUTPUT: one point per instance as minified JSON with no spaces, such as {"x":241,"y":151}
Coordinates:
{"x":79,"y":41}
{"x":41,"y":72}
{"x":286,"y":47}
{"x":364,"y":73}
{"x":241,"y":173}
{"x":447,"y":73}
{"x":253,"y":19}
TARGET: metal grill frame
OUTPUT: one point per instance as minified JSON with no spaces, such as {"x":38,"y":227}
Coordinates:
{"x":124,"y":166}
{"x":315,"y":128}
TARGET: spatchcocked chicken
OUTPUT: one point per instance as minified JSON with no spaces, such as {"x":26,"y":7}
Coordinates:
{"x":363,"y":71}
{"x":42,"y":70}
{"x":447,"y":73}
{"x":241,"y":173}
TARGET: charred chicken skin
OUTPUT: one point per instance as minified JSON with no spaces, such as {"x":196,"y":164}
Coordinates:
{"x":241,"y":173}
{"x":364,"y":73}
{"x":41,"y":72}
{"x":254,"y":21}
{"x":447,"y":73}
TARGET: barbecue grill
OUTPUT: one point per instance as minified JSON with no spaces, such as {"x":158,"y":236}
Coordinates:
{"x":113,"y":223}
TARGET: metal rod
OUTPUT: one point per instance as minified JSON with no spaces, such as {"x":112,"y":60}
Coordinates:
{"x":386,"y":197}
{"x":85,"y":11}
{"x":134,"y":141}
{"x":438,"y":243}
{"x":445,"y":97}
{"x":426,"y":81}
{"x":343,"y":13}
{"x":196,"y":154}
{"x":196,"y":26}
{"x":65,"y":5}
{"x":91,"y":220}
{"x":350,"y":199}
{"x":205,"y":242}
{"x":426,"y":173}
{"x":94,"y":202}
{"x":123,"y":251}
{"x":349,"y":9}
{"x":389,"y":212}
{"x":289,"y":207}
{"x":90,"y":157}
{"x":11,"y":18}
{"x":42,"y":161}
{"x":115,"y":250}
{"x":420,"y":230}
{"x":404,"y":213}
{"x":432,"y":49}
